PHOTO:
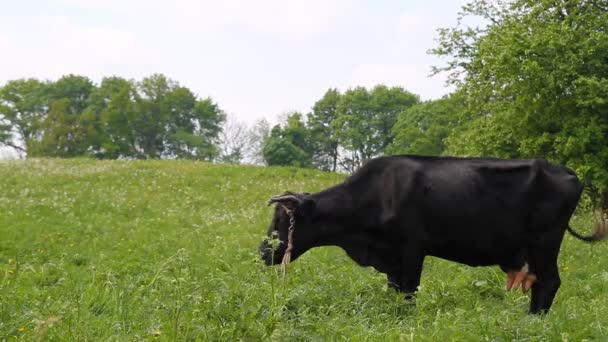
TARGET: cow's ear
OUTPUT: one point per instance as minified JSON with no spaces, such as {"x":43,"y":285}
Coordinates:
{"x":307,"y":207}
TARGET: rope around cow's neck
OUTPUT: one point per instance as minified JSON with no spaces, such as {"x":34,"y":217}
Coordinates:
{"x":287,"y":256}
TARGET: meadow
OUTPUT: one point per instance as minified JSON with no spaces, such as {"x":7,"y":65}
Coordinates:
{"x":167,"y":250}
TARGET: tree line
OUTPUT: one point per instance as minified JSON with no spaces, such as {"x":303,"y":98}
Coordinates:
{"x":531,"y":83}
{"x":158,"y":118}
{"x":152,"y":118}
{"x":343,"y":130}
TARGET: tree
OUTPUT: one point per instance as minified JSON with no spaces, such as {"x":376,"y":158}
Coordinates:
{"x":257,"y":137}
{"x":424,"y":127}
{"x":536,"y":84}
{"x":233,"y":141}
{"x":67,"y":130}
{"x":324,"y":143}
{"x":173,"y":123}
{"x":280,"y":151}
{"x":6,"y":136}
{"x":115,"y":104}
{"x":365,"y":120}
{"x":296,"y":132}
{"x":65,"y":134}
{"x":153,"y":112}
{"x":207,"y":119}
{"x":22,"y":108}
{"x":290,"y":144}
{"x":155,"y":118}
{"x":76,"y":89}
{"x":388,"y":103}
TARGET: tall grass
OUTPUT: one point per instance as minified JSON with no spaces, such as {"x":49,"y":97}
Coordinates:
{"x":133,"y":250}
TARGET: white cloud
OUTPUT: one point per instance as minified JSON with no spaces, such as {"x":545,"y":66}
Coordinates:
{"x":8,"y":57}
{"x":64,"y":47}
{"x":275,"y":18}
{"x":414,"y":20}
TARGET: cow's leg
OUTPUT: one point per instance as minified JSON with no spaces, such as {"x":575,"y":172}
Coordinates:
{"x":411,"y":269}
{"x":543,"y":264}
{"x":393,"y":280}
{"x":544,"y":290}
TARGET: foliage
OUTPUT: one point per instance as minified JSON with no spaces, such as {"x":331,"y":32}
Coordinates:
{"x":154,"y":118}
{"x":113,"y":102}
{"x":174,"y":123}
{"x":65,"y":134}
{"x":22,"y":107}
{"x":281,"y":151}
{"x":423,"y":128}
{"x":536,"y":83}
{"x":289,"y":144}
{"x":5,"y":134}
{"x":323,"y":139}
{"x":365,"y":119}
{"x":138,"y":250}
{"x":67,"y":129}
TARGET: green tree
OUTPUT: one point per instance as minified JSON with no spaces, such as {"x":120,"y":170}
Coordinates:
{"x":68,"y":129}
{"x":202,"y":136}
{"x":281,"y":151}
{"x":173,"y":123}
{"x":6,"y":136}
{"x":155,"y":118}
{"x":324,"y":143}
{"x":536,"y":83}
{"x":424,"y":127}
{"x":22,"y":109}
{"x":153,"y":112}
{"x":76,"y":89}
{"x":290,"y":144}
{"x":114,"y":101}
{"x":365,"y":120}
{"x":295,"y":130}
{"x":387,"y":104}
{"x":64,"y":133}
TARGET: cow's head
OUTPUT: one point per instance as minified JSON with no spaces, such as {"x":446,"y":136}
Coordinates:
{"x":292,"y":210}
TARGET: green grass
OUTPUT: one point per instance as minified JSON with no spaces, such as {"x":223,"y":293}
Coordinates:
{"x":167,"y":250}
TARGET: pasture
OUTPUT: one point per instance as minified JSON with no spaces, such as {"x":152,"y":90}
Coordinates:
{"x":167,"y":250}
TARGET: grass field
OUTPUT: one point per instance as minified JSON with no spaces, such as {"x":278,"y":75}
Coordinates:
{"x":167,"y":250}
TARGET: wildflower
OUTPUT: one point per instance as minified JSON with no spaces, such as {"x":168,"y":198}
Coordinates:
{"x":11,"y":261}
{"x":11,"y":271}
{"x":156,"y":333}
{"x":21,"y":329}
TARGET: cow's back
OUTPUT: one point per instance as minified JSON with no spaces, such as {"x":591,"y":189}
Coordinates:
{"x":487,"y":207}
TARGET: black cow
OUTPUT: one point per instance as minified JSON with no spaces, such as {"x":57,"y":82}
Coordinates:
{"x":396,"y":210}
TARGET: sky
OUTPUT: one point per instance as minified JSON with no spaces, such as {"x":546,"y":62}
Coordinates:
{"x":256,"y":59}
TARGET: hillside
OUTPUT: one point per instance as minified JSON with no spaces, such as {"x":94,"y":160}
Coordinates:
{"x":127,"y":250}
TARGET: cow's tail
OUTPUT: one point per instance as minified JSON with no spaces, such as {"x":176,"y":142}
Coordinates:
{"x":600,"y":233}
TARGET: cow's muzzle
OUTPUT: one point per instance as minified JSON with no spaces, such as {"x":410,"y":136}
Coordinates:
{"x":271,"y":255}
